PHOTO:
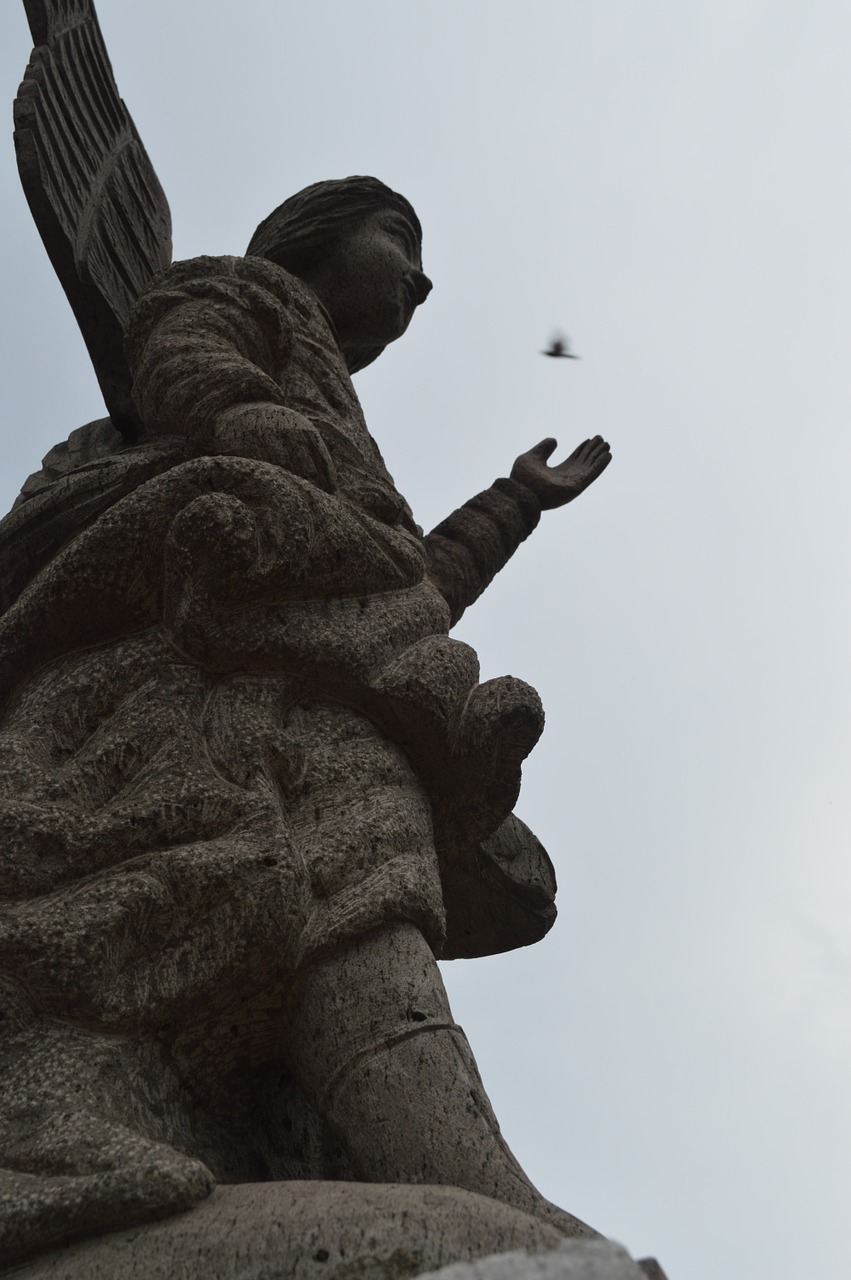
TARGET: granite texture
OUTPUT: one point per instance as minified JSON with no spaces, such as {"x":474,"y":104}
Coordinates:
{"x":570,"y":1260}
{"x":301,"y":1231}
{"x":250,"y":788}
{"x":264,"y":1232}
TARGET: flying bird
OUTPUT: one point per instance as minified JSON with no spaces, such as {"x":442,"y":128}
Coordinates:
{"x":559,"y":349}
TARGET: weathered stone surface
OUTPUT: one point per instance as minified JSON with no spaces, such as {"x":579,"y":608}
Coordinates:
{"x":301,"y":1231}
{"x":248,"y":778}
{"x":570,"y":1260}
{"x":250,"y":788}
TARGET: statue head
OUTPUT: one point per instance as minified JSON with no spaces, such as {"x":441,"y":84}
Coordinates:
{"x":357,"y":244}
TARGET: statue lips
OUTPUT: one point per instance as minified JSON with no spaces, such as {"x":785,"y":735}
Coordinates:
{"x":412,"y":296}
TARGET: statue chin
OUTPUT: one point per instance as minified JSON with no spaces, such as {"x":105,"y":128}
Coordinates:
{"x":359,"y":356}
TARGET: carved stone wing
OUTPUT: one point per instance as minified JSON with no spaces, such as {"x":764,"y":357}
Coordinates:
{"x":93,"y":193}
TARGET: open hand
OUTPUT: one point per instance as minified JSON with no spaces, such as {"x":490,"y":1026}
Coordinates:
{"x":554,"y":486}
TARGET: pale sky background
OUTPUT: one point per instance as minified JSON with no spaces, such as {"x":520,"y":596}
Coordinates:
{"x":669,"y":183}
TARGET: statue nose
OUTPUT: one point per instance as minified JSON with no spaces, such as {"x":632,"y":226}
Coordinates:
{"x":423,"y":286}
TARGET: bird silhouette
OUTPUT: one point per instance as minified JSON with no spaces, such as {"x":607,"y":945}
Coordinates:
{"x":559,"y":349}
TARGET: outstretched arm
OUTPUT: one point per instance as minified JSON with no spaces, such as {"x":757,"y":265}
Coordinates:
{"x":468,"y":549}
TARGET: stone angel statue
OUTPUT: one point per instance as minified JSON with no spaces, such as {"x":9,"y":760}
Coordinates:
{"x":251,"y":789}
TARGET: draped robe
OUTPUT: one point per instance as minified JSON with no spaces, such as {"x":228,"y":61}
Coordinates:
{"x":235,"y":735}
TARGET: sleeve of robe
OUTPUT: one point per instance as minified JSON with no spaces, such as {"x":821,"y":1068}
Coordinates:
{"x":208,"y":335}
{"x":467,"y":549}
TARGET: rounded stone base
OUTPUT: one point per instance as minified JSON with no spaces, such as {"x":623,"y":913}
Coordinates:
{"x":303,"y":1231}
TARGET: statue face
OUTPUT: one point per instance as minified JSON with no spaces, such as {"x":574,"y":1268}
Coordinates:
{"x":373,"y":281}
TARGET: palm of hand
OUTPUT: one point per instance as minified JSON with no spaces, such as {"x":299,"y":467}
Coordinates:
{"x":557,"y":485}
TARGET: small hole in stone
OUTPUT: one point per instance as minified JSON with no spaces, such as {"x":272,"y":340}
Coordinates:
{"x":321,"y":1255}
{"x":414,"y":1015}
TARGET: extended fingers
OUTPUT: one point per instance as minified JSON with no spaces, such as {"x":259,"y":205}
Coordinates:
{"x":599,"y":451}
{"x":588,"y":449}
{"x":602,"y":460}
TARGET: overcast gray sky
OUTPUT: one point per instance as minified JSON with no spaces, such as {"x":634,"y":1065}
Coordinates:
{"x":669,"y":183}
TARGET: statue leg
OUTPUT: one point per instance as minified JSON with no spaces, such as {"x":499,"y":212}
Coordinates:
{"x":373,"y":1042}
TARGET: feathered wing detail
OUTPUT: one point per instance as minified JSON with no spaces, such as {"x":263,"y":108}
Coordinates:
{"x":90,"y":185}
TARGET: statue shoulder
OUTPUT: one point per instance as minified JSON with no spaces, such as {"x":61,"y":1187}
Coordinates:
{"x":239,"y":290}
{"x":210,"y":271}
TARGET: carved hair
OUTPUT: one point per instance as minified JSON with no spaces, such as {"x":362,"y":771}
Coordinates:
{"x":300,"y":229}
